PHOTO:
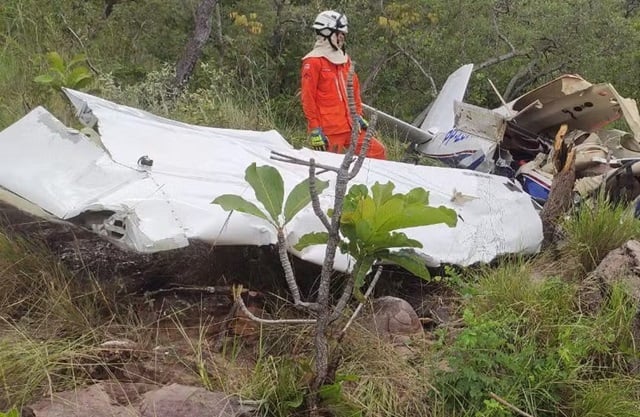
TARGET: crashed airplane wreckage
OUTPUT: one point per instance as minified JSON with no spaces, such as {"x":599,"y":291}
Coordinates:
{"x":146,"y":184}
{"x":516,"y":140}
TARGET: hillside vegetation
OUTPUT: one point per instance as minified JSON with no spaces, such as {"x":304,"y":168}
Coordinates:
{"x":523,"y":339}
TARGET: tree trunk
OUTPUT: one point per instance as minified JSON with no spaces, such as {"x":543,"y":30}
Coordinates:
{"x":561,"y":193}
{"x":193,"y":49}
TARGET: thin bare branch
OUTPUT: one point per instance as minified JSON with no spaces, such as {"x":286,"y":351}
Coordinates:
{"x":371,"y":130}
{"x":499,"y":33}
{"x":75,"y":35}
{"x":238,"y":300}
{"x":376,"y":69}
{"x":509,"y":405}
{"x":498,"y":59}
{"x":513,"y":52}
{"x":315,"y":200}
{"x":355,"y":126}
{"x":367,"y":294}
{"x":355,"y":134}
{"x":533,"y":79}
{"x":293,"y":160}
{"x":347,"y":293}
{"x":434,"y":89}
{"x":507,"y":94}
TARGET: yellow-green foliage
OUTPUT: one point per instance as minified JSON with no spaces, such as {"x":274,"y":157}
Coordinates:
{"x":11,"y":413}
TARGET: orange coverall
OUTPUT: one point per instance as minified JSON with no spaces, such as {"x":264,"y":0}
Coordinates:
{"x":325,"y":105}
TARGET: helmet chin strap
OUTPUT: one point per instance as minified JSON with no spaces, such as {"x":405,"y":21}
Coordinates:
{"x":334,"y":45}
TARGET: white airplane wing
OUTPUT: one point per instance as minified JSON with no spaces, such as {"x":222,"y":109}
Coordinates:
{"x":150,"y":208}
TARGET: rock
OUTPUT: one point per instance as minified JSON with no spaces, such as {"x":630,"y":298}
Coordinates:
{"x":620,"y":265}
{"x":138,"y":400}
{"x":180,"y":400}
{"x":440,"y":310}
{"x":395,"y":320}
{"x":99,"y":400}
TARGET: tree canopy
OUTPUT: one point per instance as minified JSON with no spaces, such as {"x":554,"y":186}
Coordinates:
{"x":404,"y":50}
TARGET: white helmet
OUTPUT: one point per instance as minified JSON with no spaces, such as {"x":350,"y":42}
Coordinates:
{"x":330,"y":21}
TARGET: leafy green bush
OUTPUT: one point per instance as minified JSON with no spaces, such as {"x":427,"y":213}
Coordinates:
{"x":72,"y":74}
{"x":499,"y":355}
{"x":526,"y":341}
{"x":370,"y":224}
{"x":280,"y":384}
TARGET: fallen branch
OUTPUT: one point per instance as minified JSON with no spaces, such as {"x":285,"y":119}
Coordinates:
{"x":509,"y":405}
{"x":237,"y":298}
{"x":227,"y":290}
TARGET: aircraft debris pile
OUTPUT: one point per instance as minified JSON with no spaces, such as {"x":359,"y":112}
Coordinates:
{"x":516,"y":139}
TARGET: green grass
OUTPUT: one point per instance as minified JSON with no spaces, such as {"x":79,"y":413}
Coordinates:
{"x":386,"y":382}
{"x":593,"y":231}
{"x":606,"y":398}
{"x":32,"y":368}
{"x":48,"y":330}
{"x":526,"y":340}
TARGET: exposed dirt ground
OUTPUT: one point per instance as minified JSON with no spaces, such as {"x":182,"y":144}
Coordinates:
{"x":200,"y":265}
{"x":186,"y":294}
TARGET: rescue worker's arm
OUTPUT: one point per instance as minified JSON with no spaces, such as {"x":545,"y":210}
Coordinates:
{"x":309,"y":85}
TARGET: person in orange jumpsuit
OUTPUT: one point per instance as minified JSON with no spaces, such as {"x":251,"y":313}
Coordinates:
{"x":324,"y":90}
